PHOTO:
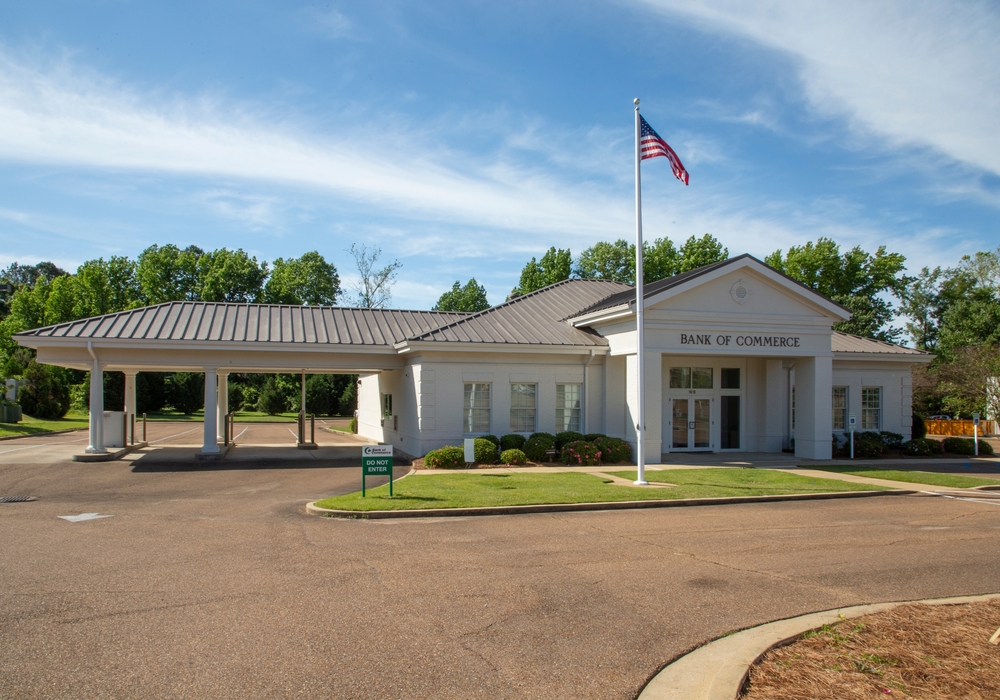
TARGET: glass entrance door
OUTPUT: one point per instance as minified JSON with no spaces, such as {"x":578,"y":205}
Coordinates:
{"x":690,"y":424}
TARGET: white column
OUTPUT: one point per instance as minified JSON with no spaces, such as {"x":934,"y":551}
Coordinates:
{"x":813,"y":407}
{"x":775,"y":397}
{"x":96,"y":445}
{"x":653,"y":398}
{"x":130,"y":393}
{"x":303,"y":391}
{"x":210,"y":444}
{"x":223,"y":408}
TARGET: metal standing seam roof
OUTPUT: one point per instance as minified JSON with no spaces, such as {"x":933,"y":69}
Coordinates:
{"x":255,"y":323}
{"x":654,"y":288}
{"x":537,"y":318}
{"x":845,"y":342}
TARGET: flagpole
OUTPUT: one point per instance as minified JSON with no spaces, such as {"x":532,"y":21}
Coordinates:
{"x":640,"y":426}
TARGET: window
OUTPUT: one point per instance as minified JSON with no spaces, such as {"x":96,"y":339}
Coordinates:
{"x":840,"y":408}
{"x":688,"y":378}
{"x":476,"y":410}
{"x":386,"y":405}
{"x":730,"y":377}
{"x":567,"y":407}
{"x":522,"y":408}
{"x":871,"y":408}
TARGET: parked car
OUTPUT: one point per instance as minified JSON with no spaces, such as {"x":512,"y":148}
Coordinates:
{"x":940,"y":417}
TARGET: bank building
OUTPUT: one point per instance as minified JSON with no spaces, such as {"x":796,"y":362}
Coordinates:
{"x":738,"y":358}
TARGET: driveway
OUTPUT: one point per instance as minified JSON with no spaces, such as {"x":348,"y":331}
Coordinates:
{"x":210,"y":581}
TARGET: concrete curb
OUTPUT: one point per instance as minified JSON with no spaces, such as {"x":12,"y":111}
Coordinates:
{"x":41,"y":434}
{"x":719,"y":670}
{"x":110,"y":456}
{"x":312,"y":509}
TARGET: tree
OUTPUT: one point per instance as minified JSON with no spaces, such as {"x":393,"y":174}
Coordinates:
{"x":856,"y":279}
{"x":471,"y":297}
{"x":307,"y":280}
{"x":45,"y":393}
{"x":230,"y":275}
{"x":616,"y":261}
{"x":698,"y":252}
{"x":374,"y":288}
{"x":186,"y":391}
{"x":106,"y":287}
{"x":168,"y":273}
{"x":272,"y":401}
{"x":555,"y":266}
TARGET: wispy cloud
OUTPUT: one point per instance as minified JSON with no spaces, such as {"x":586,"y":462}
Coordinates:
{"x":909,"y":71}
{"x":329,"y":23}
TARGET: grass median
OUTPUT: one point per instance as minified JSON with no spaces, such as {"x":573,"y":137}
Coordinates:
{"x":36,"y":426}
{"x":420,"y":491}
{"x":955,"y":481}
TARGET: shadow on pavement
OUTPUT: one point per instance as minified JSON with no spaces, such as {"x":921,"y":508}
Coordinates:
{"x":178,"y":459}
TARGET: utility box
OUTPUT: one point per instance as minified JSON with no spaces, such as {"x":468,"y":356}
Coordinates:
{"x":114,"y":428}
{"x":10,"y":413}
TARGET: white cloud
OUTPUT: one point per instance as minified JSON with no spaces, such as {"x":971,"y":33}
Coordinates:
{"x":329,"y":23}
{"x":912,"y":71}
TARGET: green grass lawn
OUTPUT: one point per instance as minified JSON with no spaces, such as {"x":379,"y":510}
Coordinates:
{"x":957,"y":481}
{"x":482,"y":490}
{"x":34,"y":426}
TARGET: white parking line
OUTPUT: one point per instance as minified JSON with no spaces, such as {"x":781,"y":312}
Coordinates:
{"x":961,"y":498}
{"x":174,"y":435}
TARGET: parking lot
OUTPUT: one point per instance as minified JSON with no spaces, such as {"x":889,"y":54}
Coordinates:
{"x":209,"y":579}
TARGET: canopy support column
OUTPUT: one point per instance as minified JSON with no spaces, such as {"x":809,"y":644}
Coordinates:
{"x":210,"y":443}
{"x":223,"y":408}
{"x":96,"y":445}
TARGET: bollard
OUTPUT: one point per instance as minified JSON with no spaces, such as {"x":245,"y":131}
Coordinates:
{"x":144,"y":427}
{"x":124,"y":430}
{"x":312,"y":428}
{"x":132,"y":424}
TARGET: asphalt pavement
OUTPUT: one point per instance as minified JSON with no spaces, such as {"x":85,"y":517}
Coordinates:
{"x":211,"y":581}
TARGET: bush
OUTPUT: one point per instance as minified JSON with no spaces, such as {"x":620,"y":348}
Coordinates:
{"x":448,"y":457}
{"x":550,"y":436}
{"x":581,"y":453}
{"x":272,"y":400}
{"x":966,"y":446}
{"x":537,"y":445}
{"x":186,"y":391}
{"x":513,"y":457}
{"x":868,"y":445}
{"x":354,"y":424}
{"x":919,"y":428}
{"x":485,"y":450}
{"x":45,"y":393}
{"x":492,"y":438}
{"x":566,"y":437}
{"x":251,"y":397}
{"x":922,"y":447}
{"x":512,"y":441}
{"x":891,"y":440}
{"x":590,"y":437}
{"x":613,"y":450}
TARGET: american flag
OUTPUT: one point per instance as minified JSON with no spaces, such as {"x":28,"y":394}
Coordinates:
{"x":651,"y":145}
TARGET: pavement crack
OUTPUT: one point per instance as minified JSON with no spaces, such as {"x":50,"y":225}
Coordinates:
{"x":154,"y":608}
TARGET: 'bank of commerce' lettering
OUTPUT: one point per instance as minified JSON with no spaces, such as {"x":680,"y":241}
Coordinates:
{"x":767,"y":341}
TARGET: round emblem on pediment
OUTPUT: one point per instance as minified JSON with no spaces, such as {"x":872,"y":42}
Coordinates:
{"x":740,"y":292}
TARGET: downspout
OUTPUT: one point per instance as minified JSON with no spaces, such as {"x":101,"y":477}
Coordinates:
{"x":586,"y":407}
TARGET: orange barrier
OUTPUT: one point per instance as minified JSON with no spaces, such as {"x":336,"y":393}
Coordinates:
{"x":961,"y":428}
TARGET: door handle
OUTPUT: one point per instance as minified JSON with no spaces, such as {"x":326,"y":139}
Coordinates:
{"x":691,"y":425}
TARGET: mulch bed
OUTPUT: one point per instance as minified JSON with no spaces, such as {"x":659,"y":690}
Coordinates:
{"x":933,"y":652}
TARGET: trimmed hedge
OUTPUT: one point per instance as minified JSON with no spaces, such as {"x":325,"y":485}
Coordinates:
{"x":581,"y":453}
{"x":513,"y":457}
{"x":512,"y":441}
{"x":891,"y":440}
{"x":590,"y":437}
{"x":537,"y":445}
{"x":922,"y":447}
{"x":492,"y":438}
{"x":485,"y":450}
{"x":566,"y":437}
{"x":550,"y":436}
{"x":966,"y":446}
{"x":919,"y":428}
{"x":448,"y":457}
{"x":613,"y":450}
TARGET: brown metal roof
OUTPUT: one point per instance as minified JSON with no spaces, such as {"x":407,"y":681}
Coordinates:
{"x":845,"y":342}
{"x":537,"y":318}
{"x":255,"y":323}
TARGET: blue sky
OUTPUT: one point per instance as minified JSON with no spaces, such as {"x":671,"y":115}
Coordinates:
{"x":464,"y":138}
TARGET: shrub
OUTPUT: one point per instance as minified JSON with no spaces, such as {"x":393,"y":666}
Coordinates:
{"x":614,"y":450}
{"x":512,"y":441}
{"x":492,"y":438}
{"x":590,"y":437}
{"x":919,"y":428}
{"x":581,"y":452}
{"x":354,"y":424}
{"x":271,"y":400}
{"x":538,"y":445}
{"x":566,"y":437}
{"x":485,"y":451}
{"x":550,"y":436}
{"x":922,"y":447}
{"x":448,"y":457}
{"x":891,"y":440}
{"x":868,"y":448}
{"x":186,"y":391}
{"x":966,"y":446}
{"x":513,"y":457}
{"x":45,"y":393}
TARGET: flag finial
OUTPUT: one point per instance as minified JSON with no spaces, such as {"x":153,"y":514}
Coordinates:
{"x":636,"y":100}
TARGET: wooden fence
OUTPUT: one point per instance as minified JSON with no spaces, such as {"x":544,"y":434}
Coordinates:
{"x":960,"y":427}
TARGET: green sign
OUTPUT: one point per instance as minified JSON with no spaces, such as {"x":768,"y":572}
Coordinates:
{"x":376,"y":460}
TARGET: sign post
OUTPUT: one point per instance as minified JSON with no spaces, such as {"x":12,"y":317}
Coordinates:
{"x":851,"y":421}
{"x":975,"y":433}
{"x":376,"y":460}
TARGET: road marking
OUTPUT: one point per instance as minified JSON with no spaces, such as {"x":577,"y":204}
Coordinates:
{"x":241,"y":433}
{"x":44,"y":444}
{"x":175,"y":435}
{"x":83,"y":516}
{"x":960,"y":498}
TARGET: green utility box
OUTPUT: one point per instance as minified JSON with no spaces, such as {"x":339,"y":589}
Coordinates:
{"x":10,"y":413}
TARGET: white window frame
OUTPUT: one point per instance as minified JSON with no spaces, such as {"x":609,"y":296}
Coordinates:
{"x":518,"y":420}
{"x":469,"y":424}
{"x":562,"y":424}
{"x":841,"y":410}
{"x":867,"y":411}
